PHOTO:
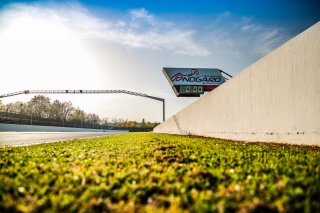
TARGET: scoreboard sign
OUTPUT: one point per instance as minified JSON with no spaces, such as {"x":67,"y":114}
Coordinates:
{"x":192,"y":82}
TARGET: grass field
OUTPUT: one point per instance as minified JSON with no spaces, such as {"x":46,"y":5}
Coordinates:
{"x":148,"y":172}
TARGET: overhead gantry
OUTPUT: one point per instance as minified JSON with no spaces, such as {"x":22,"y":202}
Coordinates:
{"x":87,"y":92}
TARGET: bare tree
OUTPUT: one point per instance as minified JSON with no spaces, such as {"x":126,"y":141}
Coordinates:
{"x":77,"y":115}
{"x":19,"y":108}
{"x":105,"y":121}
{"x":60,"y":110}
{"x":67,"y":108}
{"x":55,"y":110}
{"x":39,"y":105}
{"x":2,"y":106}
{"x":93,"y":119}
{"x":7,"y":109}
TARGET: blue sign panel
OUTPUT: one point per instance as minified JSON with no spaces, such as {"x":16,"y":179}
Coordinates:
{"x":191,"y":82}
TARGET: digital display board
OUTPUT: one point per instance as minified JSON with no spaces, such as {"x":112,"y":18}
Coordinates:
{"x":184,"y":89}
{"x":192,"y":82}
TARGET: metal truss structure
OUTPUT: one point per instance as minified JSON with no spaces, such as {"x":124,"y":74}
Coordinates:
{"x":86,"y":92}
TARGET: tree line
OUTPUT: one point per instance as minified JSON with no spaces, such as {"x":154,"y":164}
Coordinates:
{"x":41,"y":107}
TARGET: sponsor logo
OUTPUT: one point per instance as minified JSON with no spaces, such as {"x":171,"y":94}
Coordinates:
{"x":194,"y":76}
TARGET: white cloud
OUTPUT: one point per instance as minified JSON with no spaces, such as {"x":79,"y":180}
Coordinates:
{"x":142,"y":30}
{"x":268,"y":40}
{"x":262,"y":38}
{"x":143,"y":14}
{"x":244,"y":37}
{"x":223,"y":15}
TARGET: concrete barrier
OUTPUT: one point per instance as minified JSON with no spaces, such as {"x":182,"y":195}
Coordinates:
{"x":35,"y":128}
{"x":277,"y":99}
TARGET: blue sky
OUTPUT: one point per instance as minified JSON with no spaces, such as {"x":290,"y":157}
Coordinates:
{"x":264,"y":9}
{"x":302,"y":12}
{"x":124,"y":45}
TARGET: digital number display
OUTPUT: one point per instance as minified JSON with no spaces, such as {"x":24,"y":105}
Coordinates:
{"x":184,"y":89}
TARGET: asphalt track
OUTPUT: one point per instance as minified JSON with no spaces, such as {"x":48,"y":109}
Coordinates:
{"x":29,"y":138}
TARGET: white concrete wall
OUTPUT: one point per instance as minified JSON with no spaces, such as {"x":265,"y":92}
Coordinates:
{"x":277,"y":99}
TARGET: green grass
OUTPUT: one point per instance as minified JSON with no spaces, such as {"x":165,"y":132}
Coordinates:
{"x":148,"y":172}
